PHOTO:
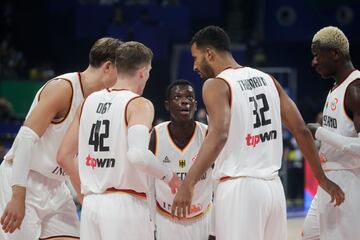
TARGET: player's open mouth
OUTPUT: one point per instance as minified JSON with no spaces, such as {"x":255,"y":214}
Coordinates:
{"x":185,"y":111}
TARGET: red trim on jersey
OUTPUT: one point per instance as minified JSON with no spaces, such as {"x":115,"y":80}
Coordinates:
{"x":230,"y":97}
{"x":72,"y":94}
{"x":336,"y":86}
{"x":346,"y":113}
{"x":233,"y":68}
{"x":116,"y":89}
{"x":58,"y":236}
{"x":155,"y":142}
{"x":187,"y":144}
{"x":165,"y":213}
{"x":128,"y":191}
{"x":81,"y":85}
{"x":225,"y":178}
{"x":81,"y":109}
{"x":127,"y":104}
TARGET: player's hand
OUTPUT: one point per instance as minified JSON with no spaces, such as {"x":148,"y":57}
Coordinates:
{"x":335,"y":192}
{"x":182,"y":202}
{"x":14,"y":212}
{"x":313,"y":127}
{"x":174,"y":183}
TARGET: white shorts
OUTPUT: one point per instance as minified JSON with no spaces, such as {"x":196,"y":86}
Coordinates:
{"x":198,"y":229}
{"x":49,"y":210}
{"x":114,"y":216}
{"x":311,"y":228}
{"x":250,"y":208}
{"x":337,"y":223}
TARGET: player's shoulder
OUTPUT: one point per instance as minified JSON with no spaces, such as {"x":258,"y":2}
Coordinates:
{"x":161,"y":126}
{"x":201,"y":125}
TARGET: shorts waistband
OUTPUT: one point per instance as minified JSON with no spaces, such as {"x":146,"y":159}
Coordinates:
{"x":165,"y":213}
{"x":127,"y":191}
{"x":226,"y":178}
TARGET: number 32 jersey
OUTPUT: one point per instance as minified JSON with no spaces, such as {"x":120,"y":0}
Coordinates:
{"x":103,"y":144}
{"x":254,"y":145}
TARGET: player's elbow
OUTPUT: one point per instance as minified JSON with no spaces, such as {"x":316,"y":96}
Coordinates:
{"x":136,"y":158}
{"x":62,"y":157}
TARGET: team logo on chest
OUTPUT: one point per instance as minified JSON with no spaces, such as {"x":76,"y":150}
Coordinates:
{"x":333,"y":104}
{"x":182,"y":163}
{"x":166,"y":160}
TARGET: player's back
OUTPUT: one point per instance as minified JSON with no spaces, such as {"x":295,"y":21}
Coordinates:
{"x":254,"y":145}
{"x":103,"y":144}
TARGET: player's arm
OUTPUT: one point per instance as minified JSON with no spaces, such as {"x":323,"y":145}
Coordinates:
{"x":293,"y":120}
{"x":216,"y":97}
{"x":140,"y":115}
{"x":350,"y":145}
{"x":66,"y":156}
{"x":54,"y":101}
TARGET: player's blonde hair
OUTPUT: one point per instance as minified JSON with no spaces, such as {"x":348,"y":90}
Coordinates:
{"x":332,"y":37}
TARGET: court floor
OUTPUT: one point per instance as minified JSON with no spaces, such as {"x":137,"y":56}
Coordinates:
{"x":294,"y":228}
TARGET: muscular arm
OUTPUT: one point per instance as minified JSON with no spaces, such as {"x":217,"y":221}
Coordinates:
{"x":66,"y":156}
{"x":54,"y":102}
{"x":140,"y":114}
{"x":216,"y":96}
{"x":350,"y":145}
{"x":293,"y":120}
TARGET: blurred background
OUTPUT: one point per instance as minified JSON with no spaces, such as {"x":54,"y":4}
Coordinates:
{"x":44,"y":38}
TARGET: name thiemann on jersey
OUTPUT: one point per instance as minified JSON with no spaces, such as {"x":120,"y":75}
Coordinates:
{"x":251,"y":83}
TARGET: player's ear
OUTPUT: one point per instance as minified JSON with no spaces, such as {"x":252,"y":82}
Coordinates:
{"x":108,"y":66}
{"x":166,"y":104}
{"x":195,"y":105}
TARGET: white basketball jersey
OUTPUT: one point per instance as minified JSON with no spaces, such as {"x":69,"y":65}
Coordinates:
{"x":103,"y":163}
{"x":254,"y":145}
{"x":180,"y":161}
{"x":336,"y":120}
{"x":45,"y":150}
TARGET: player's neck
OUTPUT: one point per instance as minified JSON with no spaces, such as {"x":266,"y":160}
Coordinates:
{"x":226,"y":62}
{"x":182,"y":131}
{"x":127,"y":83}
{"x":90,"y":81}
{"x":344,"y":72}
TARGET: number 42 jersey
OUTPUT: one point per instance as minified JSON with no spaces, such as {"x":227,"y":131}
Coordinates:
{"x":103,"y":144}
{"x":254,"y":145}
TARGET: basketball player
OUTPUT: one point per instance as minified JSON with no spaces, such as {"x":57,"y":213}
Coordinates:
{"x":176,"y":143}
{"x":34,"y":200}
{"x":111,"y":135}
{"x":246,"y":108}
{"x":339,"y":136}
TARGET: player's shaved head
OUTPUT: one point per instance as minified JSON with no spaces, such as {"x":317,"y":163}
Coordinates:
{"x":331,"y":38}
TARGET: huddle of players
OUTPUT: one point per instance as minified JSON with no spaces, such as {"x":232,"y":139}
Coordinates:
{"x":106,"y":124}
